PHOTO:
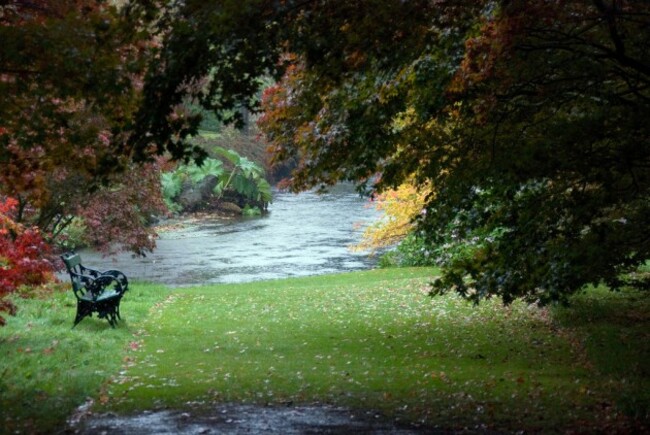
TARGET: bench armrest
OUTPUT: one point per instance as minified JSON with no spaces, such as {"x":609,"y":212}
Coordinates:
{"x":103,"y":283}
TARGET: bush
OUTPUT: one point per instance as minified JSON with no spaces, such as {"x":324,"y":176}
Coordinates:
{"x":23,"y":256}
{"x":251,"y":211}
{"x":243,"y":177}
{"x":413,"y":250}
{"x":73,"y":236}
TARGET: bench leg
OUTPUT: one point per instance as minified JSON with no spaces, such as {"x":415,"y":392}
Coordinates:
{"x":108,"y":310}
{"x":116,"y":311}
{"x":110,"y":314}
{"x":84,"y":309}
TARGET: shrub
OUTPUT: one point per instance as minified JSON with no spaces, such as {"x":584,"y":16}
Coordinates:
{"x":23,"y":256}
{"x":245,"y":178}
{"x":73,"y":236}
{"x":413,"y":250}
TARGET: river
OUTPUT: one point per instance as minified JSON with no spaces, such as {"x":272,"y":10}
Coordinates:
{"x":303,"y":234}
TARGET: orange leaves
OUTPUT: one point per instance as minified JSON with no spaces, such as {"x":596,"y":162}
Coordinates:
{"x":482,"y":54}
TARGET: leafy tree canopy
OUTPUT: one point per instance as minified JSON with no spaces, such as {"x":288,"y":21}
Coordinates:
{"x":71,"y":74}
{"x":528,"y":119}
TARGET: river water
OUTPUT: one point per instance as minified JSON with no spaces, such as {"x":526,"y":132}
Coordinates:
{"x":303,"y":234}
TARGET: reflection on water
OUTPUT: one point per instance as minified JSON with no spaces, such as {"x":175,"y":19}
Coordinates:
{"x":304,"y":234}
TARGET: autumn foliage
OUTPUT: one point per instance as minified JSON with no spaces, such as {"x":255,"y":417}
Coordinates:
{"x":71,"y":77}
{"x":529,"y":118}
{"x":23,"y":256}
{"x":400,"y":208}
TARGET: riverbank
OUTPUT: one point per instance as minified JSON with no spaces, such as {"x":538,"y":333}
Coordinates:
{"x":364,"y":341}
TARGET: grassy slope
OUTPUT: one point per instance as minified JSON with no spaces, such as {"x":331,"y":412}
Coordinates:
{"x":372,"y":340}
{"x":48,"y":369}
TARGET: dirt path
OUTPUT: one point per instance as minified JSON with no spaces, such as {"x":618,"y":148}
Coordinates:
{"x":248,"y":419}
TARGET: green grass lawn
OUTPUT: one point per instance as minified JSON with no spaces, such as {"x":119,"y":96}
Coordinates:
{"x":368,"y":340}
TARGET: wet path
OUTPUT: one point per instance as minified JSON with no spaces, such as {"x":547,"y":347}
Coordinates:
{"x":304,"y":234}
{"x":250,"y":419}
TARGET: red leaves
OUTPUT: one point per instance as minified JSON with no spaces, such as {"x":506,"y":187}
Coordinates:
{"x":72,"y":83}
{"x":23,"y":255}
{"x":118,"y":217}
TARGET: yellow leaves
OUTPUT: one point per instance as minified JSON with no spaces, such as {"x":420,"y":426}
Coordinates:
{"x":404,"y":119}
{"x":400,"y":207}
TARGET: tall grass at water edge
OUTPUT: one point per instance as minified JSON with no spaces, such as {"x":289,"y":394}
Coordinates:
{"x":365,"y":340}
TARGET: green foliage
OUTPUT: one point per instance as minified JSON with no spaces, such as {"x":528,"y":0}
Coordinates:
{"x":209,"y":121}
{"x":172,"y":185}
{"x":412,"y":251}
{"x":251,"y":211}
{"x":542,"y":104}
{"x":209,"y":166}
{"x":529,"y":120}
{"x":246,"y":177}
{"x":73,"y":236}
{"x":215,"y":56}
{"x":238,"y":174}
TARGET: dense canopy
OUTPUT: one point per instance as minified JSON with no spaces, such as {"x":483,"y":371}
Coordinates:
{"x":527,"y":119}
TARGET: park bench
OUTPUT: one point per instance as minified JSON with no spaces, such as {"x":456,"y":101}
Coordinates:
{"x":96,"y":292}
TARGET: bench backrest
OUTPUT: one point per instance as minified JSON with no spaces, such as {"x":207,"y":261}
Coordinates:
{"x":72,"y":262}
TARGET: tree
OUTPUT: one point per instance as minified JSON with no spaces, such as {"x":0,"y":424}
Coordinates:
{"x":212,"y":54}
{"x":529,"y":118}
{"x":120,"y":216}
{"x":70,"y":84}
{"x":400,"y":209}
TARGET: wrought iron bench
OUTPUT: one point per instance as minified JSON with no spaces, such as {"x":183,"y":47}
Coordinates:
{"x":96,"y":292}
